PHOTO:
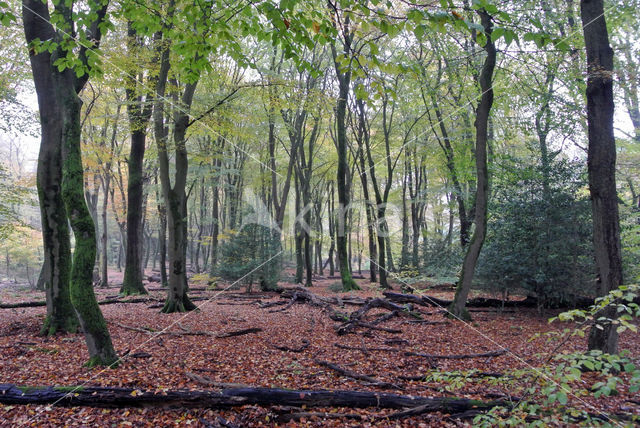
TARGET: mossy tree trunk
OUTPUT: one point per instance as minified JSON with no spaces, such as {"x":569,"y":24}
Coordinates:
{"x":62,"y":197}
{"x":601,"y":165}
{"x":101,"y":351}
{"x":457,"y":307}
{"x":55,"y":231}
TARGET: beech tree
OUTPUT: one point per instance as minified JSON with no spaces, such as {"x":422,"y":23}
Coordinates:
{"x":59,"y":76}
{"x":601,"y":164}
{"x":485,"y":80}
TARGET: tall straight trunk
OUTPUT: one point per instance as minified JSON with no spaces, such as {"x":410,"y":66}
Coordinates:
{"x":363,"y":132}
{"x":299,"y":238}
{"x":601,"y":165}
{"x":132,"y":282}
{"x":162,"y":237}
{"x":139,"y":112}
{"x":332,"y":228}
{"x":404,"y":252}
{"x":175,"y":196}
{"x":215,"y":226}
{"x":104,"y":259}
{"x":176,"y":200}
{"x":344,"y":79}
{"x":457,"y":307}
{"x":55,"y":230}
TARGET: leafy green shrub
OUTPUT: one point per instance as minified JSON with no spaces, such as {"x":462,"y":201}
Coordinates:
{"x":440,"y":258}
{"x":630,"y":237}
{"x":539,"y":233}
{"x":254,"y":254}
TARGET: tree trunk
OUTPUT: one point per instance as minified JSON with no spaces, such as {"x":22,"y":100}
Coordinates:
{"x":104,"y":259}
{"x":97,"y":336}
{"x":55,"y":231}
{"x":139,"y":112}
{"x":601,"y":164}
{"x":344,"y":79}
{"x":457,"y":308}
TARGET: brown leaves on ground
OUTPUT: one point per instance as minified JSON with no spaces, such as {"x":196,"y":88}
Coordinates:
{"x":284,"y":354}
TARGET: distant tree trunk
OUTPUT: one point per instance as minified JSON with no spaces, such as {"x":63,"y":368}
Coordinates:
{"x":601,"y":163}
{"x":299,"y":238}
{"x":162,"y":237}
{"x":215,"y":225}
{"x":139,"y":111}
{"x":332,"y":227}
{"x":362,"y":134}
{"x":445,"y":144}
{"x":457,"y":308}
{"x":404,"y":252}
{"x":104,"y":260}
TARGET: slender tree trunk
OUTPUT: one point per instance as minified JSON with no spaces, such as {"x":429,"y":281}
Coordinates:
{"x":104,"y":260}
{"x":344,"y":78}
{"x":601,"y":163}
{"x":457,"y":308}
{"x":132,"y":283}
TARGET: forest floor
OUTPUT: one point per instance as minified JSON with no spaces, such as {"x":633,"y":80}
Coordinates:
{"x":161,"y":362}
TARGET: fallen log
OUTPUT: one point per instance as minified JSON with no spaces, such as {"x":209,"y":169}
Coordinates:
{"x":37,"y":303}
{"x":187,"y":332}
{"x":371,"y":381}
{"x":578,"y":302}
{"x":113,"y":397}
{"x":366,"y":350}
{"x":351,"y":325}
{"x":305,"y":345}
{"x":22,"y":305}
{"x":239,"y":332}
{"x":210,"y":382}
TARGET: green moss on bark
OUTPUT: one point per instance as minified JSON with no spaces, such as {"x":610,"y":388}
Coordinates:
{"x":97,"y":336}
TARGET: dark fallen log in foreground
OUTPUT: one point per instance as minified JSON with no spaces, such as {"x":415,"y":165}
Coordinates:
{"x":112,"y":397}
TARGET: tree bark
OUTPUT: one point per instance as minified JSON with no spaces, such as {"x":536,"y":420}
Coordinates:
{"x":601,"y":165}
{"x":139,"y":116}
{"x":344,"y":79}
{"x":457,"y":308}
{"x":55,"y":230}
{"x":112,"y":397}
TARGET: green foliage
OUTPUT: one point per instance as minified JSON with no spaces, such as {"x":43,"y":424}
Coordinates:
{"x":539,"y":234}
{"x":254,"y":254}
{"x":548,"y":390}
{"x":630,"y":238}
{"x":441,"y":259}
